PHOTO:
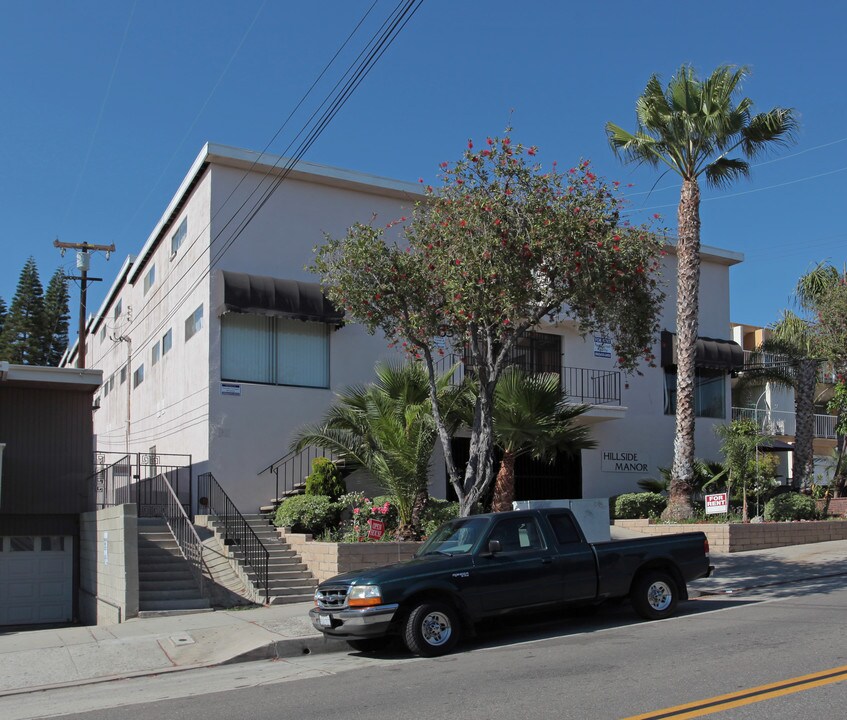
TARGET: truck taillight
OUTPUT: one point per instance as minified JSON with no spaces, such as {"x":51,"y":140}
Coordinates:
{"x":706,"y":546}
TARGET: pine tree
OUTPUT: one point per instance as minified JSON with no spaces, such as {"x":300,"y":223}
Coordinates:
{"x":24,"y":325}
{"x":2,"y":318}
{"x":56,"y":317}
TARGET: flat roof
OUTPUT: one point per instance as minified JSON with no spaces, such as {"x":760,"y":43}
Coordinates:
{"x":40,"y":376}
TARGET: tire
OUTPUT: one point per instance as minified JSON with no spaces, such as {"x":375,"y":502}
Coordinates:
{"x":431,"y":629}
{"x":655,"y":595}
{"x":370,"y":644}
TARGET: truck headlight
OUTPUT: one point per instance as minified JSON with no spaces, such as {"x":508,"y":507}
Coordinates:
{"x":364,"y":596}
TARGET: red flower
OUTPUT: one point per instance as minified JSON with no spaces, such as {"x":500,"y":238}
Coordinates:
{"x":489,"y":141}
{"x":531,"y":151}
{"x":470,"y":144}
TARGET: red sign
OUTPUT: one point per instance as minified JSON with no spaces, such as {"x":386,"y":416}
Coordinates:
{"x":376,"y":529}
{"x":717,"y":503}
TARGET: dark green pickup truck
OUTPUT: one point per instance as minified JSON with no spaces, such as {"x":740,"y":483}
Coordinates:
{"x":486,"y":565}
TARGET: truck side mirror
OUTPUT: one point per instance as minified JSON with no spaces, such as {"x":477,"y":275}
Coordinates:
{"x":494,"y":547}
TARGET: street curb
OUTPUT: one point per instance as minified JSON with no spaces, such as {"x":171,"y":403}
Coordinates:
{"x":276,"y":650}
{"x":290,"y":647}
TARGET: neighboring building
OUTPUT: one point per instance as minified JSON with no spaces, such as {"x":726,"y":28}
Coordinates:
{"x":46,"y":463}
{"x":215,"y":342}
{"x":772,"y":406}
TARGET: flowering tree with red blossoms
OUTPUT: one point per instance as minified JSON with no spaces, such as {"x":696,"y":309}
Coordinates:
{"x":489,"y":254}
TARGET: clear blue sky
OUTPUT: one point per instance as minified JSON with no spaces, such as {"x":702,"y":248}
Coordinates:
{"x":105,"y":103}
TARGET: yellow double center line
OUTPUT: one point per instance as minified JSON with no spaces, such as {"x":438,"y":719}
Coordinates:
{"x":720,"y":703}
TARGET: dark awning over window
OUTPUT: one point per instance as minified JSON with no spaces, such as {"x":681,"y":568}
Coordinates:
{"x":711,"y":353}
{"x":262,"y":295}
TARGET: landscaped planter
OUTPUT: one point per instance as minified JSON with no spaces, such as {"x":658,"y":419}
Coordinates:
{"x":735,"y":537}
{"x":325,"y":559}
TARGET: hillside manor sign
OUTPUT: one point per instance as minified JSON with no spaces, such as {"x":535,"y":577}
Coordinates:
{"x":624,"y":462}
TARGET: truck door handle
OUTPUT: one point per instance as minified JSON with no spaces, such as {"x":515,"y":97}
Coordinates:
{"x":546,"y":561}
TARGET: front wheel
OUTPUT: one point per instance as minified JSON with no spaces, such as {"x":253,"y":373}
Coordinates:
{"x":432,"y":629}
{"x":655,"y":596}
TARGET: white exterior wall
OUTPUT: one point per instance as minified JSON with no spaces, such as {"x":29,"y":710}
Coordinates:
{"x":644,"y":436}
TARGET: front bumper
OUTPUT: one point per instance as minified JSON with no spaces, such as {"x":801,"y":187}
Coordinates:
{"x":354,"y":622}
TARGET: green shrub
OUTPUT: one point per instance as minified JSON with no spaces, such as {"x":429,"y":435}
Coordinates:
{"x":308,"y":514}
{"x":791,"y":506}
{"x":325,"y":479}
{"x":632,"y":506}
{"x":437,"y":512}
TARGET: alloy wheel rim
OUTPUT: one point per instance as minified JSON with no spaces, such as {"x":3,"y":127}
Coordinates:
{"x":436,"y":629}
{"x":659,"y":596}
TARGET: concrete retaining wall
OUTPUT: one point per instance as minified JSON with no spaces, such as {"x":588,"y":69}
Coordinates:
{"x":108,"y":565}
{"x":325,"y":560}
{"x":736,"y":537}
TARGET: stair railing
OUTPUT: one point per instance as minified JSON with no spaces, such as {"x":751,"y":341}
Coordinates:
{"x":291,"y":470}
{"x":172,"y":511}
{"x":237,"y":532}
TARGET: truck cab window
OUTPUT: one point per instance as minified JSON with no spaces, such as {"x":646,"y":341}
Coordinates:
{"x":564,"y":529}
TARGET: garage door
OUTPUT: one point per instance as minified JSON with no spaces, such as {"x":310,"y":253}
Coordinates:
{"x":36,"y":579}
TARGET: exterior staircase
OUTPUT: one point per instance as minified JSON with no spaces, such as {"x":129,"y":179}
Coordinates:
{"x":166,"y":584}
{"x":289,"y":580}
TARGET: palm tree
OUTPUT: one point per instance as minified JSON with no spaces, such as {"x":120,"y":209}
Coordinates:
{"x":530,"y":417}
{"x":692,"y":128}
{"x":792,"y":344}
{"x":387,"y":429}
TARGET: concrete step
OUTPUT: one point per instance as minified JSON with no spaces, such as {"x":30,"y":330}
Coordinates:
{"x":191,"y":593}
{"x":185,"y":604}
{"x":171,"y":613}
{"x":288,"y":599}
{"x":157,"y":576}
{"x":172,"y":585}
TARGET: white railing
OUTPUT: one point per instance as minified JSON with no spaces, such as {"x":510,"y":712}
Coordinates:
{"x":783,"y":422}
{"x":826,"y":372}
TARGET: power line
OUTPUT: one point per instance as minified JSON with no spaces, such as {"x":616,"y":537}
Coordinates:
{"x":100,"y":114}
{"x":378,"y":45}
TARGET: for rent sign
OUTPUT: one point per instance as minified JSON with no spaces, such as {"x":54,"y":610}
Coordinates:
{"x":718,"y":503}
{"x":376,"y":529}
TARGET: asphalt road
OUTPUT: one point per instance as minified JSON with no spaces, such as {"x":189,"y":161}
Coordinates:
{"x":754,"y":648}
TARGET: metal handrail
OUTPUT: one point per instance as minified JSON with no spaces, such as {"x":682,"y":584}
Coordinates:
{"x":237,"y":530}
{"x":293,"y":469}
{"x":187,"y":539}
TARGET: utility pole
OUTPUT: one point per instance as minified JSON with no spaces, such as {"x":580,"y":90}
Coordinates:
{"x":83,"y":262}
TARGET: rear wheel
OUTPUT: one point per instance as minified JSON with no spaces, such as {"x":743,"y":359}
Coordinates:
{"x":655,"y":595}
{"x":432,"y":629}
{"x":370,"y":644}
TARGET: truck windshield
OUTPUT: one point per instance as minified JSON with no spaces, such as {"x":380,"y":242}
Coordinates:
{"x":456,"y":537}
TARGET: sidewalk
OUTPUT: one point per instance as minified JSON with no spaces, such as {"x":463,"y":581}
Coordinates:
{"x":40,"y":659}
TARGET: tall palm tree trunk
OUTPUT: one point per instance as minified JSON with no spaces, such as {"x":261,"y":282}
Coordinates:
{"x":804,"y":433}
{"x":504,"y":485}
{"x":687,"y":315}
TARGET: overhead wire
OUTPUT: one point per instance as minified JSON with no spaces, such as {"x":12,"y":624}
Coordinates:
{"x":378,"y":45}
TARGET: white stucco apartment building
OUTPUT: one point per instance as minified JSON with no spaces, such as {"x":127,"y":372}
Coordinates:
{"x":214,"y":340}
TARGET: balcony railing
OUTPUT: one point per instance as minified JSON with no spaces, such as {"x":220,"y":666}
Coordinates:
{"x":826,"y":372}
{"x":581,"y":386}
{"x":782,"y":422}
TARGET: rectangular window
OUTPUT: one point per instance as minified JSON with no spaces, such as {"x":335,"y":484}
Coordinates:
{"x":155,"y":354}
{"x":179,"y":236}
{"x":274,"y":351}
{"x":123,"y":374}
{"x":22,"y":544}
{"x":193,"y":323}
{"x":138,"y":376}
{"x":150,"y":279}
{"x":103,"y":333}
{"x":709,"y":392}
{"x":167,"y":341}
{"x":105,"y":388}
{"x":118,"y":309}
{"x":111,"y":382}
